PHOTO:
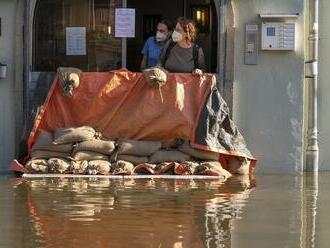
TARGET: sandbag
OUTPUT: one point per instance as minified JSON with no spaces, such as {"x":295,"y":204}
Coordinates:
{"x":88,"y":155}
{"x":211,"y":168}
{"x":57,"y":165}
{"x":200,"y":154}
{"x":155,"y":76}
{"x":37,"y":166}
{"x":138,"y":148}
{"x":73,"y":134}
{"x":168,"y":156}
{"x":95,"y":145}
{"x":133,"y":159}
{"x":98,"y":167}
{"x":79,"y":167}
{"x":37,"y":154}
{"x":45,"y":142}
{"x":238,"y":165}
{"x":69,"y":79}
{"x":122,"y":168}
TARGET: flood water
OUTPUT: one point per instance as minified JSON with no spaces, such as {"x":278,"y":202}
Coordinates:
{"x":267,"y":211}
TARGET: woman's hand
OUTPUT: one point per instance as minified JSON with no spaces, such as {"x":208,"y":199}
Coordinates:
{"x":197,"y":72}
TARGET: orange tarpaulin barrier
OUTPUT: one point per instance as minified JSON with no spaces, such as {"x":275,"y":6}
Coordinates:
{"x":121,"y":105}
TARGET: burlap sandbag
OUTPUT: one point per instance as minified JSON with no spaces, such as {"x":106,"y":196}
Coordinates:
{"x":58,"y":165}
{"x":73,"y":135}
{"x":238,"y":165}
{"x":211,"y":168}
{"x":79,"y":167}
{"x":45,"y":142}
{"x":98,"y":167}
{"x":37,"y":154}
{"x":200,"y":154}
{"x":122,"y":168}
{"x":69,"y":79}
{"x":37,"y":166}
{"x":95,"y":145}
{"x":145,"y":169}
{"x":88,"y":155}
{"x":133,"y":159}
{"x":168,"y":156}
{"x":138,"y":148}
{"x":155,"y":76}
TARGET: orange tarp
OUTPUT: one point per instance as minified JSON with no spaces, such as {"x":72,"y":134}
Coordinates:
{"x":119,"y":104}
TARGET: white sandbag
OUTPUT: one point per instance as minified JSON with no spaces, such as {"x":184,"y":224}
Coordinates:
{"x":122,"y":168}
{"x":79,"y":167}
{"x":37,"y":166}
{"x":98,"y":167}
{"x":59,"y":166}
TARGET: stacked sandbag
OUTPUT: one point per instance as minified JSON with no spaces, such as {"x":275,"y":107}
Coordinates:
{"x":44,"y":148}
{"x":81,"y":150}
{"x":135,"y":151}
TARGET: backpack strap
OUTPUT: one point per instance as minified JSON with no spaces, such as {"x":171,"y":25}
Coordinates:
{"x":167,"y":52}
{"x":195,"y":56}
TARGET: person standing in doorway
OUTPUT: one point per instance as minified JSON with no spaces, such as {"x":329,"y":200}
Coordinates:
{"x":153,"y":46}
{"x":181,"y":54}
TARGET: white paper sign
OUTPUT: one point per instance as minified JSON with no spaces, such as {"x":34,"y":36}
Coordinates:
{"x":125,"y":23}
{"x":76,"y":41}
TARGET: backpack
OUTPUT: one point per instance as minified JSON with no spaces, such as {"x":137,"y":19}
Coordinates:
{"x":195,"y":54}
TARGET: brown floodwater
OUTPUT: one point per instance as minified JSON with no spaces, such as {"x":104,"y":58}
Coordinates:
{"x":266,"y":211}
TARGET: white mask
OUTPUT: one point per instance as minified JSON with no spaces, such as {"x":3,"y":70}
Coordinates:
{"x":176,"y":36}
{"x":160,"y":36}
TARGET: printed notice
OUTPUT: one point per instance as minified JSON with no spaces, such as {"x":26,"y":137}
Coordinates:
{"x":76,"y":41}
{"x":125,"y":23}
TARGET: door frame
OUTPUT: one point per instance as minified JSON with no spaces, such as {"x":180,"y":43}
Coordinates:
{"x":225,"y":61}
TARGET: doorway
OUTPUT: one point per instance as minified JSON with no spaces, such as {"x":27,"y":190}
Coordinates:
{"x":149,"y":13}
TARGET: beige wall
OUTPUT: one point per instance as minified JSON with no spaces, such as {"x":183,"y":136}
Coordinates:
{"x":11,"y":87}
{"x":324,"y":85}
{"x":268,"y":97}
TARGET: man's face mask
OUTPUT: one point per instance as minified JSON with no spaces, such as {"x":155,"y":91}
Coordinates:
{"x":160,"y":36}
{"x":176,"y":36}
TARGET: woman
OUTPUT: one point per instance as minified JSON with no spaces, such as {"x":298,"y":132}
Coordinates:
{"x":153,"y":46}
{"x":181,"y":54}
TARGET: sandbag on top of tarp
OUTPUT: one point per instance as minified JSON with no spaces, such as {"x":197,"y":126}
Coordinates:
{"x":120,"y":105}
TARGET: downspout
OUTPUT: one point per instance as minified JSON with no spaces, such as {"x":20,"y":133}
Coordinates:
{"x":312,"y":151}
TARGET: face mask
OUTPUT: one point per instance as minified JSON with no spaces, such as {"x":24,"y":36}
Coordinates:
{"x":176,"y":36}
{"x":160,"y":36}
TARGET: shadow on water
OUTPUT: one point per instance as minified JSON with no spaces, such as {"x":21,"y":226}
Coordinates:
{"x":127,"y":213}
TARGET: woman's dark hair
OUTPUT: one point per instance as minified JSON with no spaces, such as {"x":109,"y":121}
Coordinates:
{"x":167,"y":23}
{"x":188,"y":27}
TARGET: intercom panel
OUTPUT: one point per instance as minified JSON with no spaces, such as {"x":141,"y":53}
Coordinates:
{"x":251,"y":44}
{"x":278,"y":36}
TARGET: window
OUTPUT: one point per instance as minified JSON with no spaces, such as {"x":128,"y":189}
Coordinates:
{"x":97,"y":17}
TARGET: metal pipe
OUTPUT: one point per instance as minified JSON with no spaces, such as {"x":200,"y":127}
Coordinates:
{"x":312,"y":151}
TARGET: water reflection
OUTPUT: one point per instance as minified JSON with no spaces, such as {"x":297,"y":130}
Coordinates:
{"x":130,"y":213}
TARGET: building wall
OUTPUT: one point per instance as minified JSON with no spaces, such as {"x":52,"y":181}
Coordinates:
{"x":11,"y":87}
{"x":324,"y":85}
{"x":268,"y":97}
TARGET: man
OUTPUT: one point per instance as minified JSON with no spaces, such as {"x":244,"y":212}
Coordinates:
{"x":153,"y":46}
